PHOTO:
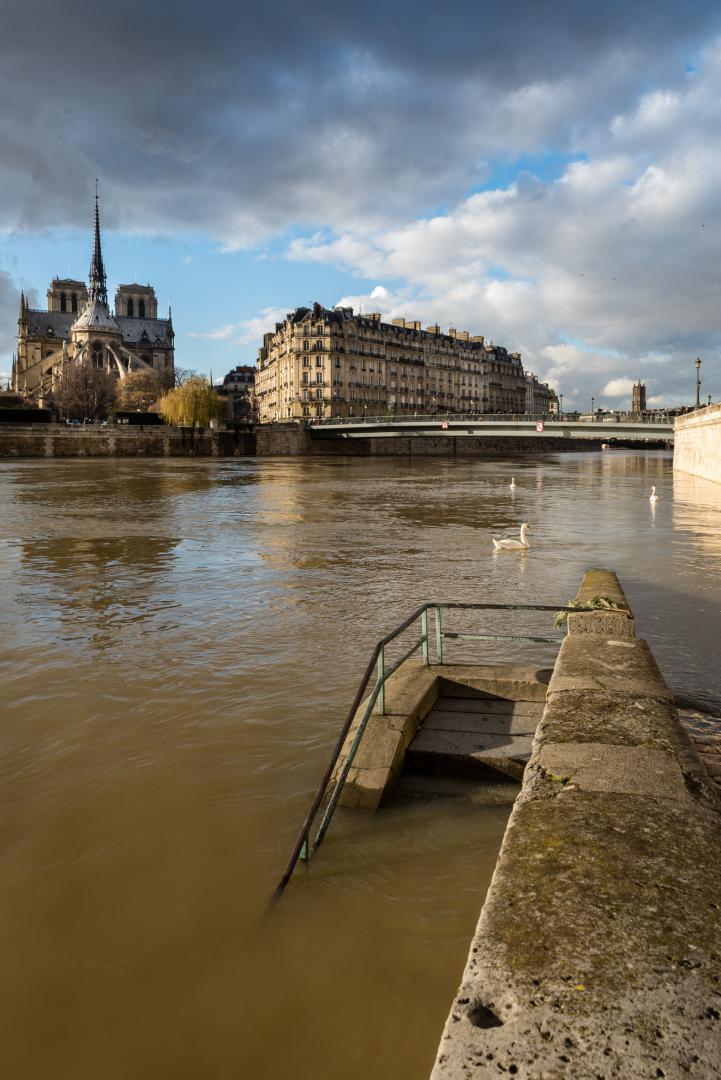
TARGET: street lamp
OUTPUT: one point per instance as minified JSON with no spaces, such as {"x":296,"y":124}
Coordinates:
{"x":698,"y":382}
{"x":560,"y":398}
{"x":593,"y":404}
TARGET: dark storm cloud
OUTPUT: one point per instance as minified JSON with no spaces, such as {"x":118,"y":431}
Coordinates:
{"x":241,"y":120}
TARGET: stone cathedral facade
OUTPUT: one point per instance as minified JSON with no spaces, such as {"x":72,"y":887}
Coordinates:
{"x":79,"y":326}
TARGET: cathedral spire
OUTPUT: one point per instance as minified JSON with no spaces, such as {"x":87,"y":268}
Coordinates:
{"x":98,"y":282}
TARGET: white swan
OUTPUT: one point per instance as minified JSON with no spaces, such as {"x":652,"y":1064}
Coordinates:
{"x":513,"y":483}
{"x":512,"y":545}
{"x":653,"y":497}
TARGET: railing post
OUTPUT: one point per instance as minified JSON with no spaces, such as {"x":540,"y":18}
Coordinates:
{"x":439,"y":637}
{"x":382,"y":681}
{"x":424,"y":629}
{"x":305,"y":850}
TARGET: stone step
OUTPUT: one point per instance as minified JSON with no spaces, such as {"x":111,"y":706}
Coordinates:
{"x":507,"y":682}
{"x":489,"y":706}
{"x":500,"y":791}
{"x":483,"y":723}
{"x":468,"y":753}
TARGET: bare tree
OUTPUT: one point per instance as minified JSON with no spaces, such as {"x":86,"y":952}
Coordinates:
{"x":85,"y":392}
{"x":171,"y":380}
{"x":138,"y":391}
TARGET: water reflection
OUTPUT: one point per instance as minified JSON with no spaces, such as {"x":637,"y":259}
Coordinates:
{"x":697,"y":511}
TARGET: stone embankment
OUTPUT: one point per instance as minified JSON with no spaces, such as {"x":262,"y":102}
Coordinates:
{"x":67,"y":441}
{"x":697,"y":443}
{"x":598,"y":950}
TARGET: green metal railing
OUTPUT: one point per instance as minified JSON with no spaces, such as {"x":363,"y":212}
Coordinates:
{"x":304,"y":847}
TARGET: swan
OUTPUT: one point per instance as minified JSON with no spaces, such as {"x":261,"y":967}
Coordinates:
{"x":512,"y":545}
{"x":653,"y":497}
{"x":513,"y":483}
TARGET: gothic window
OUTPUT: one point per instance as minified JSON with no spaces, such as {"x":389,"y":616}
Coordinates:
{"x":141,"y":309}
{"x":130,"y":309}
{"x":97,"y":354}
{"x":63,"y":302}
{"x":74,"y":302}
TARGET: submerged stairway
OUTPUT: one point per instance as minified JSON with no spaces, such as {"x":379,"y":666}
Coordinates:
{"x":481,"y":730}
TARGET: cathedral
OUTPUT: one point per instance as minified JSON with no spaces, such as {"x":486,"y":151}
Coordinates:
{"x":78,"y":326}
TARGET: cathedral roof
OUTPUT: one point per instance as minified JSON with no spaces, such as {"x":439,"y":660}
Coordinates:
{"x":57,"y":323}
{"x":133,"y":329}
{"x":95,"y":316}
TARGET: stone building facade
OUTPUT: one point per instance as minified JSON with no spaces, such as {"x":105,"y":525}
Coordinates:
{"x":239,"y":391}
{"x":538,"y":396}
{"x":324,"y":362}
{"x":78,"y":325}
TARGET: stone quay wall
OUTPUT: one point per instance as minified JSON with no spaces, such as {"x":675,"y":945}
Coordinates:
{"x":598,"y":950}
{"x":697,"y":443}
{"x":278,"y":440}
{"x":68,"y":441}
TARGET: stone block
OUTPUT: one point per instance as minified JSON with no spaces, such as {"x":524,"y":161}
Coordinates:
{"x":593,"y":664}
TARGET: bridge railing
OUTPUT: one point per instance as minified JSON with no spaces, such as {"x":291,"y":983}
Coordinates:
{"x":603,"y":421}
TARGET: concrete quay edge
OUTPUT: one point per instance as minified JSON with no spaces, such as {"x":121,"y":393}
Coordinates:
{"x":598,"y":949}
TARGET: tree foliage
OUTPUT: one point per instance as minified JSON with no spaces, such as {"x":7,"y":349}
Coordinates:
{"x":139,"y":391}
{"x":85,"y":392}
{"x":193,"y":403}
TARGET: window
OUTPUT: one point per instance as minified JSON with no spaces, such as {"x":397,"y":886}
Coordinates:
{"x":63,"y":302}
{"x":319,"y":361}
{"x":74,"y":302}
{"x":319,"y":376}
{"x":141,"y":309}
{"x":306,"y":361}
{"x":130,"y":309}
{"x":305,"y":346}
{"x":319,"y":395}
{"x":97,"y":354}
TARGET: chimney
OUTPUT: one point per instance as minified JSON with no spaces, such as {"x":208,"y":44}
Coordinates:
{"x":399,"y":322}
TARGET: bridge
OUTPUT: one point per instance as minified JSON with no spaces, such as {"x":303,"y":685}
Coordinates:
{"x":455,"y":425}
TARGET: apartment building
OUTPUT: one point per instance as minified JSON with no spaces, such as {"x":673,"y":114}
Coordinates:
{"x":322,"y":362}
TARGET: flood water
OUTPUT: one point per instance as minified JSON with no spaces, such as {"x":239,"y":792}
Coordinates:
{"x":181,"y":640}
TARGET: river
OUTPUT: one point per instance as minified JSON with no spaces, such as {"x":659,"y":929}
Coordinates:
{"x":181,"y":642}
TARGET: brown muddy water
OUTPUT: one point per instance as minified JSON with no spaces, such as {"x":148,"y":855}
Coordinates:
{"x":181,"y":640}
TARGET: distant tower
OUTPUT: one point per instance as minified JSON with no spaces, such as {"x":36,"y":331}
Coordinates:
{"x":638,"y":400}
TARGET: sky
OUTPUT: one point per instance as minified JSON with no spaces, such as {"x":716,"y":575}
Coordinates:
{"x":546,"y":175}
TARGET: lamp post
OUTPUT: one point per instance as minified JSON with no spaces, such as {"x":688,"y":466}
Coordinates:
{"x":593,"y":405}
{"x":560,"y":399}
{"x":698,"y":382}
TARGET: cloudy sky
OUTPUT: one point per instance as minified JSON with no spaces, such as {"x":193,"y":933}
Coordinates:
{"x":547,"y":175}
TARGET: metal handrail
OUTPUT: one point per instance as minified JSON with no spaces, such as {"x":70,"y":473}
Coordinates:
{"x":302,"y":847}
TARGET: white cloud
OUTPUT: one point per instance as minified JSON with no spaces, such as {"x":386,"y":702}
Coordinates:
{"x":250,"y":331}
{"x":598,"y":277}
{"x":618,"y":388}
{"x":222,"y":333}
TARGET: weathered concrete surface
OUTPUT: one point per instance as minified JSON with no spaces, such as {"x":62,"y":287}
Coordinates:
{"x":411,"y":694}
{"x":610,"y":624}
{"x":117,"y":440}
{"x":697,"y":443}
{"x":598,"y":951}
